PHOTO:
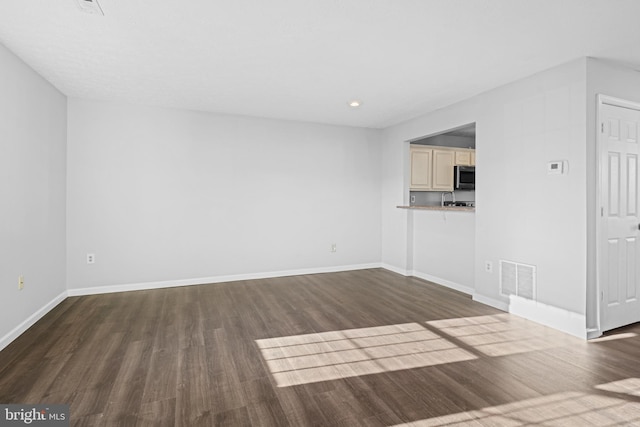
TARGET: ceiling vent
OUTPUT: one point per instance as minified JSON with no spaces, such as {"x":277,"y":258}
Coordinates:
{"x":517,"y":279}
{"x":90,"y":6}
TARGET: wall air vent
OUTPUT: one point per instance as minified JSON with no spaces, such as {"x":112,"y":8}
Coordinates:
{"x":517,"y":279}
{"x":90,"y":6}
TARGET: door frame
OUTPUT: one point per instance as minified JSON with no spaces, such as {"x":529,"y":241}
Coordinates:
{"x":603,"y":100}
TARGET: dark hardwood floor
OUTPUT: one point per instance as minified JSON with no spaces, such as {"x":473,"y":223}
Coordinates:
{"x":361,"y":348}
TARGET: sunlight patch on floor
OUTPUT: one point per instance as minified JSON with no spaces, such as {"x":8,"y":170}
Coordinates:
{"x":614,"y":337}
{"x":629,"y":386}
{"x":498,"y":335}
{"x":302,"y":359}
{"x":561,"y":409}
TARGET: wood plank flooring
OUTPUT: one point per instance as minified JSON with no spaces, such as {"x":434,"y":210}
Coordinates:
{"x":361,"y":348}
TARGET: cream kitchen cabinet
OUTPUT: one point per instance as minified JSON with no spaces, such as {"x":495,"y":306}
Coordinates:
{"x":431,"y":168}
{"x":442,"y":179}
{"x":463,"y":158}
{"x":421,"y":167}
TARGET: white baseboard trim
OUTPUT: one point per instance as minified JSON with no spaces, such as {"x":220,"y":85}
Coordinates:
{"x":395,"y":269}
{"x":544,"y":314}
{"x":443,"y":282}
{"x":557,"y":318}
{"x":215,"y":279}
{"x":593,"y":333}
{"x":548,"y":315}
{"x":31,"y":320}
{"x":500,"y":305}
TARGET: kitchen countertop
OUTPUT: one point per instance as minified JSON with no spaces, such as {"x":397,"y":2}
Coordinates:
{"x":440,"y":208}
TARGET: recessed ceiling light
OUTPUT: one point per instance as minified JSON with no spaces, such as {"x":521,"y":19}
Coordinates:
{"x":355,"y":103}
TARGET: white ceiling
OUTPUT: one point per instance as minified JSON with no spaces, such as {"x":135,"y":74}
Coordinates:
{"x":304,"y":59}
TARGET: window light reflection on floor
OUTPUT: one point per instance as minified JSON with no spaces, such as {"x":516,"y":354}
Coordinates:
{"x":561,"y":409}
{"x":498,"y":334}
{"x":308,"y":358}
{"x":302,"y":359}
{"x":614,"y":337}
{"x":629,"y":386}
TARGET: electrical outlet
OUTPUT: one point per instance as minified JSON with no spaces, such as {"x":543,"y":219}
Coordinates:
{"x":91,"y":258}
{"x":334,"y":247}
{"x":20,"y":283}
{"x":413,"y":199}
{"x":488,"y":266}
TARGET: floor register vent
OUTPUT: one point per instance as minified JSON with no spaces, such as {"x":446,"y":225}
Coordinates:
{"x":517,"y":279}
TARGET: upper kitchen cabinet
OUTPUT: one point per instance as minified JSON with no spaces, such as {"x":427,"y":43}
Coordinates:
{"x":421,"y":167}
{"x":463,"y":157}
{"x":442,"y":179}
{"x":431,"y":168}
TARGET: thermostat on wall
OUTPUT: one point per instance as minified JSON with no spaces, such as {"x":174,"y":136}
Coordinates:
{"x":556,"y":167}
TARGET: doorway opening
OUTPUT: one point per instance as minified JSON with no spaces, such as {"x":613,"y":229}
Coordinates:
{"x":618,"y":224}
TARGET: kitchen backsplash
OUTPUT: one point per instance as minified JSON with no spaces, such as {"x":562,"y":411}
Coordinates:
{"x":425,"y":198}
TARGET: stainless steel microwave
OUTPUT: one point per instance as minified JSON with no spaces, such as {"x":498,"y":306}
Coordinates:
{"x":464,"y":177}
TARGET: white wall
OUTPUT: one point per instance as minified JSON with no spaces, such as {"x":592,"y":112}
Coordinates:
{"x":32,"y":194}
{"x":617,"y":81}
{"x":444,"y":248}
{"x":170,"y":195}
{"x":522,"y":214}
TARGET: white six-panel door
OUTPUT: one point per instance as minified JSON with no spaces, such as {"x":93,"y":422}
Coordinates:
{"x":619,"y":257}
